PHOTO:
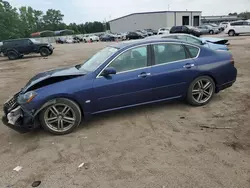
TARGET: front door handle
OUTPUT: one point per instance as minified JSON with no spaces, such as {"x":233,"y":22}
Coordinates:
{"x":188,"y":66}
{"x":144,"y":75}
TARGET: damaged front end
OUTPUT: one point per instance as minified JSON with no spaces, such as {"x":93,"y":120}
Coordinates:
{"x":16,"y":117}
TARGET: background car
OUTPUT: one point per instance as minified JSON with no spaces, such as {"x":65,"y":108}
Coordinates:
{"x":186,"y":29}
{"x":143,"y":33}
{"x":203,"y":29}
{"x":238,"y":27}
{"x":77,"y":38}
{"x":216,"y":26}
{"x":211,"y":30}
{"x":164,"y":30}
{"x":152,"y":30}
{"x":107,"y":37}
{"x":120,"y":76}
{"x":90,"y":38}
{"x":17,"y":48}
{"x":135,"y":35}
{"x":212,"y":43}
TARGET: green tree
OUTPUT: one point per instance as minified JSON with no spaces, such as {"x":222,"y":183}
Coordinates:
{"x":9,"y":21}
{"x":52,"y":19}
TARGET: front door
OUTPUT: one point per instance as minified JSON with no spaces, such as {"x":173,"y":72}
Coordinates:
{"x":173,"y":69}
{"x":129,"y":86}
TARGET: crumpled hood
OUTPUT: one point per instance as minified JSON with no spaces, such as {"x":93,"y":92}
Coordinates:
{"x":72,"y":71}
{"x":215,"y":40}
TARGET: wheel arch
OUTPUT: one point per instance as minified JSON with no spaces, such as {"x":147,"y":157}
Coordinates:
{"x":231,"y":30}
{"x":52,"y":100}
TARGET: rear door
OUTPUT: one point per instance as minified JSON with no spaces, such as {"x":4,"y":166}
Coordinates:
{"x":174,"y":68}
{"x":246,"y":27}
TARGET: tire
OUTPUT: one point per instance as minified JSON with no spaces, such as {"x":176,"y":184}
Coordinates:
{"x":57,"y":117}
{"x":85,"y":41}
{"x":231,"y":33}
{"x":91,"y":40}
{"x":12,"y":55}
{"x":197,"y":95}
{"x":211,"y":32}
{"x":44,"y":52}
{"x":51,"y":52}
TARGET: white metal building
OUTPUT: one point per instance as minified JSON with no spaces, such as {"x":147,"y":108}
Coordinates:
{"x":155,"y":20}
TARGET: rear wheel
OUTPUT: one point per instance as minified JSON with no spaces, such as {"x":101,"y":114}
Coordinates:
{"x":231,"y":33}
{"x":12,"y":55}
{"x":211,"y":32}
{"x":62,"y":117}
{"x":201,"y":91}
{"x":44,"y":52}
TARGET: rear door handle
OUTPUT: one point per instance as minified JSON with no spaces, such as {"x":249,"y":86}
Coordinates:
{"x":144,"y":75}
{"x":188,"y":66}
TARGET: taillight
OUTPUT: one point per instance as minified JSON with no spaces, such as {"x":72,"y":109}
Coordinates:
{"x":232,"y":60}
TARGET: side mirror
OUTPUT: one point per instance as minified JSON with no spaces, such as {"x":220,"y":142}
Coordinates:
{"x":108,"y":71}
{"x":203,"y":42}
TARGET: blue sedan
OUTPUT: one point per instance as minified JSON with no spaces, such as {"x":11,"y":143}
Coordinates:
{"x":120,"y":76}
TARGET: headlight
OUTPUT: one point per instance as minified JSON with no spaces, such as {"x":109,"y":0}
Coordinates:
{"x":27,"y":97}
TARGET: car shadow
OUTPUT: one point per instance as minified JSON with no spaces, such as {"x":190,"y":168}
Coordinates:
{"x":3,"y":59}
{"x":96,"y":120}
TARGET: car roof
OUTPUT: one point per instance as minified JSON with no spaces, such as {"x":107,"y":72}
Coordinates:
{"x":13,"y":40}
{"x":132,"y":43}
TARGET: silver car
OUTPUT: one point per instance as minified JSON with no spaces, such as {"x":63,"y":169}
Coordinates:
{"x":211,"y":30}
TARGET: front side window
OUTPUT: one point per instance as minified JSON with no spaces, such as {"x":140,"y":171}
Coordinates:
{"x":130,"y":60}
{"x":96,"y":60}
{"x":166,"y":53}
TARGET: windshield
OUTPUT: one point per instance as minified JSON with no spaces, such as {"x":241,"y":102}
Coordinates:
{"x":96,"y":60}
{"x":34,"y":41}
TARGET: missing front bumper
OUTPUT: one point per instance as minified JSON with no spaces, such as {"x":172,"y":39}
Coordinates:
{"x":18,"y":120}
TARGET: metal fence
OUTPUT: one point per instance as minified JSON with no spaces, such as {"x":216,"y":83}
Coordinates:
{"x":54,"y":38}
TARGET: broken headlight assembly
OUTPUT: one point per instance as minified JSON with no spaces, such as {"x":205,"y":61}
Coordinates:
{"x":27,"y":97}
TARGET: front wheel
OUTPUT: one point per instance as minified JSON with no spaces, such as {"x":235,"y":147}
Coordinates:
{"x":211,"y":32}
{"x":231,"y":33}
{"x":62,"y":117}
{"x":201,"y":91}
{"x":44,"y":52}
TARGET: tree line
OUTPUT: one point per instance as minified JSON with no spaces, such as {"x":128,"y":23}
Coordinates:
{"x":21,"y":22}
{"x":243,"y":15}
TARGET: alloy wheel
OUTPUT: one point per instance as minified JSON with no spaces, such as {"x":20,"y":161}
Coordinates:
{"x":60,"y":117}
{"x":202,"y":91}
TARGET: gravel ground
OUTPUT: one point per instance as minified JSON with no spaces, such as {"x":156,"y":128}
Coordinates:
{"x":150,"y":146}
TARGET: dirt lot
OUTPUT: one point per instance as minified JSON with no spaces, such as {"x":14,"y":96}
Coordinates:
{"x":151,"y":146}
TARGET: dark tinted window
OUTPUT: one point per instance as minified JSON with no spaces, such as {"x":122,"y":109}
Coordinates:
{"x":130,"y":60}
{"x":246,"y":23}
{"x":170,"y":37}
{"x":165,"y":53}
{"x":193,"y":50}
{"x":237,"y":23}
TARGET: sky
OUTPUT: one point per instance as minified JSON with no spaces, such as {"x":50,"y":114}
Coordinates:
{"x":81,"y":11}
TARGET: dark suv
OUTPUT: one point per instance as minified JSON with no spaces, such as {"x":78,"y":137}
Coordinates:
{"x":16,"y":48}
{"x":186,"y":29}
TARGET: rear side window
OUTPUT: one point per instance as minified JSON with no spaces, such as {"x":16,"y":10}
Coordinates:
{"x":170,"y":37}
{"x":166,"y":53}
{"x":193,"y":50}
{"x":237,"y":24}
